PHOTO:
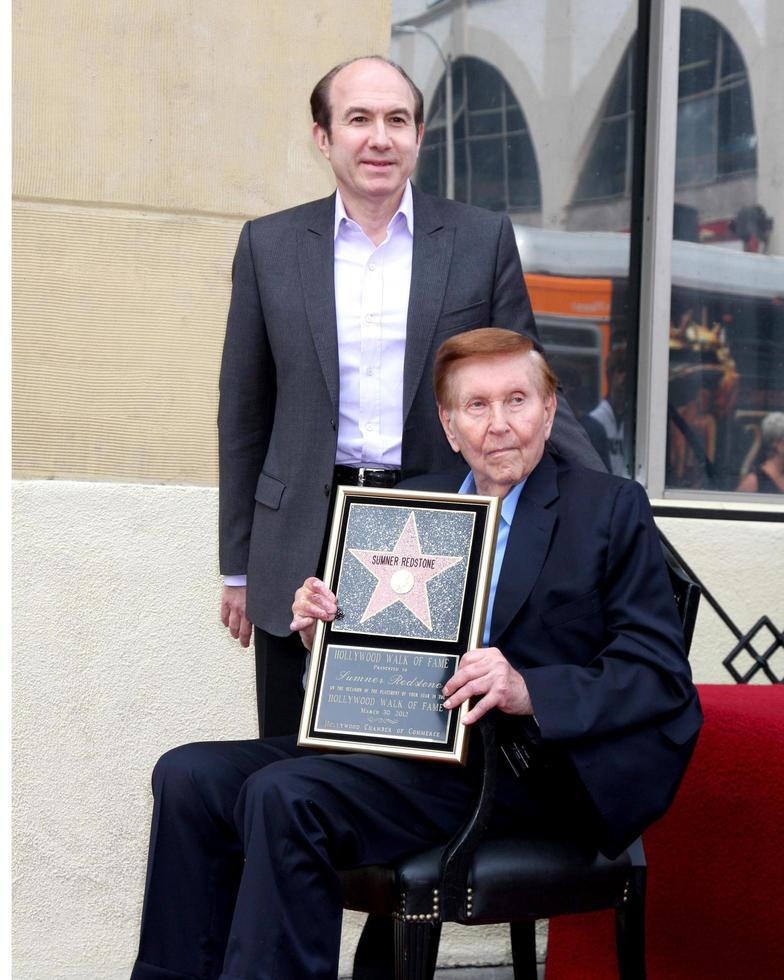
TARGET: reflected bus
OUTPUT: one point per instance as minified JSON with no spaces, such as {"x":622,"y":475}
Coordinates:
{"x":726,"y":340}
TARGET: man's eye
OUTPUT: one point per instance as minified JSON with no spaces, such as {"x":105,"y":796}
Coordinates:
{"x":358,"y":119}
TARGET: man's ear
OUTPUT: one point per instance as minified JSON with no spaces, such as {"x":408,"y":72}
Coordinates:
{"x":321,"y":139}
{"x":550,"y":406}
{"x":446,"y":422}
{"x":420,"y":133}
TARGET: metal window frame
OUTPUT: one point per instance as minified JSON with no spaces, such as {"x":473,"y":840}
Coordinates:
{"x":656,"y":245}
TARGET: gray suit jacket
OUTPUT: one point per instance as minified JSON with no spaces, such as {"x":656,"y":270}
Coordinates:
{"x":279,"y":382}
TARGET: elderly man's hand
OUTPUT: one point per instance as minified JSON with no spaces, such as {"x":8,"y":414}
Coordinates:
{"x":233,"y":613}
{"x":487,"y":674}
{"x":312,"y":601}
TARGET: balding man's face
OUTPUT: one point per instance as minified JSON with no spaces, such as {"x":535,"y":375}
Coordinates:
{"x":374,"y":143}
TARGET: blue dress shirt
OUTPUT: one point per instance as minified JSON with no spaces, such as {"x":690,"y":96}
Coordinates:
{"x":508,"y":507}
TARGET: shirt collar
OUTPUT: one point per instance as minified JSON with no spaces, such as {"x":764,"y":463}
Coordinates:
{"x":406,"y":209}
{"x":508,"y":504}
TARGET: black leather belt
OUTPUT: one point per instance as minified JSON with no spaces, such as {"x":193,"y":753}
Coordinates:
{"x":364,"y":476}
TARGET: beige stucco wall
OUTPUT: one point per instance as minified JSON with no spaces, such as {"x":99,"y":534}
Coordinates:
{"x":144,"y":133}
{"x":119,"y":319}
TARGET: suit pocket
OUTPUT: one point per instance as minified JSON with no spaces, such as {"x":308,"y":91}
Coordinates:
{"x":269,"y":491}
{"x":680,"y":728}
{"x":463,"y":318}
{"x":567,"y":612}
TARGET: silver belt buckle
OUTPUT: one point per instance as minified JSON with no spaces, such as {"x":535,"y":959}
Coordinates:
{"x":361,"y":476}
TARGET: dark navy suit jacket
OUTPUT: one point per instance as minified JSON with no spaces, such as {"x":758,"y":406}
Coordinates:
{"x":584,"y":609}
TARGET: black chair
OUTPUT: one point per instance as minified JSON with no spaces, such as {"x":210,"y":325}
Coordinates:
{"x":477,"y":880}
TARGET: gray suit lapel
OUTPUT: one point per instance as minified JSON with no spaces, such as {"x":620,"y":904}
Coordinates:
{"x":527,"y":546}
{"x":432,"y":254}
{"x":316,"y":253}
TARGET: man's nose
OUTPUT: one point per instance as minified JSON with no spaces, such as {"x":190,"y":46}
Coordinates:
{"x":498,"y":419}
{"x":378,"y":134}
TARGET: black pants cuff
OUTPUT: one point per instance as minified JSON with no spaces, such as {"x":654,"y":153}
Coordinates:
{"x":146,"y":971}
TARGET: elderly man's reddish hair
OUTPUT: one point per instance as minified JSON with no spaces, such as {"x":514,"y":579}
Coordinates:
{"x":487,"y":342}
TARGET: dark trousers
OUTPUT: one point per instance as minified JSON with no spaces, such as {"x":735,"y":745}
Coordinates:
{"x":248,"y":836}
{"x":280,"y":663}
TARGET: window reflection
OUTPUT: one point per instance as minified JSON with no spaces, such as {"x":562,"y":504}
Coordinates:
{"x":580,"y":300}
{"x":727,"y":307}
{"x":550,"y":139}
{"x":495,"y":163}
{"x":607,"y":171}
{"x":716,"y":135}
{"x":726,"y":362}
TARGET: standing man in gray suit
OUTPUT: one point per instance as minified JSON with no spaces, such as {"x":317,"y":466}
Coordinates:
{"x":337,"y":309}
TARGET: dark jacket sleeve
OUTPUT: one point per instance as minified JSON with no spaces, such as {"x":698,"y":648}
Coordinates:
{"x":246,"y":405}
{"x":641,"y":675}
{"x":511,"y":306}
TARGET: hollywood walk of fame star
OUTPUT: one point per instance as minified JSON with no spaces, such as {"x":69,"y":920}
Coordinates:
{"x":403,"y":573}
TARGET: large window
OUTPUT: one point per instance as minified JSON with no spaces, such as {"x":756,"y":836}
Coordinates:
{"x":495,"y":164}
{"x":578,"y":282}
{"x":557,"y":142}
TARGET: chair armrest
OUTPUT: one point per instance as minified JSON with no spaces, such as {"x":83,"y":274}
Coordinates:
{"x":459,"y":851}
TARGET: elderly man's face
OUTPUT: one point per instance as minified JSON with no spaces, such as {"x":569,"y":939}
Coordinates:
{"x":373,"y":143}
{"x":497,"y":419}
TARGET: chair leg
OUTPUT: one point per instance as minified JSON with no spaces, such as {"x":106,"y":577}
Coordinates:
{"x":416,"y":949}
{"x":374,"y":958}
{"x":523,"y":950}
{"x":630,"y":929}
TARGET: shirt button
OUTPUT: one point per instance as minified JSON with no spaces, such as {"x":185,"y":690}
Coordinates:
{"x":372,"y":267}
{"x":371,"y":427}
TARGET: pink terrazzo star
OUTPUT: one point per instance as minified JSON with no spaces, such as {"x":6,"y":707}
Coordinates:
{"x":403,"y":574}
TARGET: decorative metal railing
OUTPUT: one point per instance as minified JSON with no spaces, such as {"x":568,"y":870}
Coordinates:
{"x":745,"y":660}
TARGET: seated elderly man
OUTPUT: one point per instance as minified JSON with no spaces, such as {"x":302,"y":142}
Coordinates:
{"x":583,"y":653}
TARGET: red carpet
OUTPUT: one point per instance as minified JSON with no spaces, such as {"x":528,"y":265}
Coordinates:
{"x":715,"y":905}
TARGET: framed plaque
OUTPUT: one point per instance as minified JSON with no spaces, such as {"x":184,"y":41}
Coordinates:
{"x":411,"y":572}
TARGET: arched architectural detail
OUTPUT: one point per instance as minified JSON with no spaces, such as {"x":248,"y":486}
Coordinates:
{"x":716,"y":129}
{"x":495,"y":161}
